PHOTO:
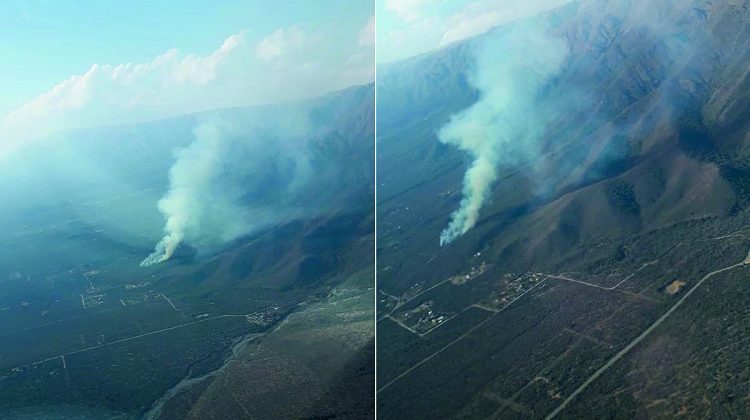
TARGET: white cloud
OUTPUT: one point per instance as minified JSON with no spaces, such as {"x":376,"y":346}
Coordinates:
{"x":367,"y":34}
{"x":280,"y":42}
{"x":468,"y":24}
{"x":476,"y":18}
{"x":288,"y":64}
{"x":423,"y":31}
{"x":198,"y":70}
{"x":420,"y":36}
{"x":408,"y":10}
{"x":107,"y":94}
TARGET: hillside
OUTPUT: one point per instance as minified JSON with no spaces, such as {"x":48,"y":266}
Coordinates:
{"x":638,"y":180}
{"x":81,"y":214}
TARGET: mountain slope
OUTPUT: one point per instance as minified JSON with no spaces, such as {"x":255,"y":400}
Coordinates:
{"x":80,"y":213}
{"x":643,"y":160}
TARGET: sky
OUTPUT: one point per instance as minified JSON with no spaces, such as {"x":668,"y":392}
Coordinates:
{"x":84,"y":63}
{"x":406,"y":28}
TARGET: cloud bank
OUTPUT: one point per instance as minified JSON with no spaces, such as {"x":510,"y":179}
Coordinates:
{"x":418,"y":26}
{"x":408,"y":10}
{"x":288,"y":64}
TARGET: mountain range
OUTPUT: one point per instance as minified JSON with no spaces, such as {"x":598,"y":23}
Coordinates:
{"x":637,"y":190}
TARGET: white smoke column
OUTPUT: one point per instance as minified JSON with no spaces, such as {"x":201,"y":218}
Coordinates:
{"x":190,"y":181}
{"x":507,"y":121}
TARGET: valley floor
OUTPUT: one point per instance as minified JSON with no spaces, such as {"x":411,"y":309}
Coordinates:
{"x":646,"y":339}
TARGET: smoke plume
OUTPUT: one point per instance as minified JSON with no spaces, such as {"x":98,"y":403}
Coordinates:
{"x":190,"y":180}
{"x":232,"y":180}
{"x":513,"y":66}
